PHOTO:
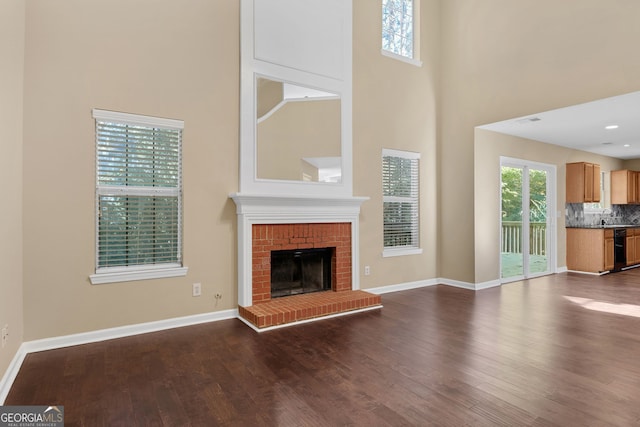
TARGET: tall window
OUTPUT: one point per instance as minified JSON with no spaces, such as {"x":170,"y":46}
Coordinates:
{"x":398,"y":27}
{"x":138,"y":197}
{"x":400,"y":190}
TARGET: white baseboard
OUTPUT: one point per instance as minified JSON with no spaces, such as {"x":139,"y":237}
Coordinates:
{"x":102,"y":335}
{"x":457,"y":283}
{"x":487,"y":285}
{"x":562,"y":269}
{"x":125,"y":331}
{"x":402,"y":287}
{"x":12,"y":371}
{"x":431,"y":282}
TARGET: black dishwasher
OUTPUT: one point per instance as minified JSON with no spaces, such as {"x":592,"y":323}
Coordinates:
{"x":619,"y":242}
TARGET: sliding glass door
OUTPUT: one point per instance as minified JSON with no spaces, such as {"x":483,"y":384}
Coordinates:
{"x":527,"y":228}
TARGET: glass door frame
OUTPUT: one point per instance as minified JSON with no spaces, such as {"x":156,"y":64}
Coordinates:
{"x":552,"y":215}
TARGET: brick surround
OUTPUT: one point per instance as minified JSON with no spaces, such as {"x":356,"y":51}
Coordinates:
{"x":273,"y":237}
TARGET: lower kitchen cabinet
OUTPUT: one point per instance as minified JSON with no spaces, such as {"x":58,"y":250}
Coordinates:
{"x":632,"y":248}
{"x":590,"y":249}
{"x":609,"y":250}
{"x":636,"y":239}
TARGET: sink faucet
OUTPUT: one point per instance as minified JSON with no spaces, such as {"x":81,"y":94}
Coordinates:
{"x":602,"y":215}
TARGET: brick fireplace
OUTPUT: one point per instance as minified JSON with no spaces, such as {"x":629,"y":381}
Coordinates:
{"x":274,"y":223}
{"x":276,"y":237}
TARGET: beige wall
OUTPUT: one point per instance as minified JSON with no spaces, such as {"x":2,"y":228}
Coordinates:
{"x":394,"y":106}
{"x":269,"y":93}
{"x":633,"y":164}
{"x":12,"y":24}
{"x":484,"y":61}
{"x":162,"y":58}
{"x":503,"y":59}
{"x":167,"y":60}
{"x":489,"y":146}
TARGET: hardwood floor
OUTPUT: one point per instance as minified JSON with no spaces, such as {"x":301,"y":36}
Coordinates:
{"x":553,"y":351}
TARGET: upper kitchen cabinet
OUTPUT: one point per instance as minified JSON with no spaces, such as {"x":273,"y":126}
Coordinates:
{"x":583,"y":182}
{"x":624,"y":187}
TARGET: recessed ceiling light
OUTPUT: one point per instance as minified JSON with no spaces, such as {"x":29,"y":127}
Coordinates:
{"x":611,"y":127}
{"x":627,"y":145}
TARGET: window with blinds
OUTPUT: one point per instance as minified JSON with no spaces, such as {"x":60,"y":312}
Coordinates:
{"x":401,"y":203}
{"x":138,"y":193}
{"x":397,"y":27}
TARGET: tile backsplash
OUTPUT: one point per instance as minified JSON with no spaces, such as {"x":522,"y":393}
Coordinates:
{"x":576,"y":216}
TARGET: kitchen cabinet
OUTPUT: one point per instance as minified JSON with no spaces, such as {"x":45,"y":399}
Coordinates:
{"x":625,"y":187}
{"x":636,"y":239}
{"x":582,"y":182}
{"x":590,"y":249}
{"x":609,"y":250}
{"x":630,"y":246}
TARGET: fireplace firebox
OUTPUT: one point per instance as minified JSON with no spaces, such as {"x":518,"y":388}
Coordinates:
{"x":300,"y":271}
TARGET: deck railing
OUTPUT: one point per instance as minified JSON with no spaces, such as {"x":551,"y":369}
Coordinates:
{"x":512,"y":237}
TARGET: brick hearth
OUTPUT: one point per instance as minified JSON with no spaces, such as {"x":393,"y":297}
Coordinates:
{"x":295,"y":308}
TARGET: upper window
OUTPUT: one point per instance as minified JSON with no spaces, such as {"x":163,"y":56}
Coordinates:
{"x":399,"y":28}
{"x":138,"y":197}
{"x":401,"y":197}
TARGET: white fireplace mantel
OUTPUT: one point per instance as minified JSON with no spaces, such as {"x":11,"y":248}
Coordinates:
{"x":275,"y":206}
{"x":278,"y":209}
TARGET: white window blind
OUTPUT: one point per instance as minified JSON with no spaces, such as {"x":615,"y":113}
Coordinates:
{"x":400,"y":178}
{"x":138,"y":192}
{"x":397,"y":27}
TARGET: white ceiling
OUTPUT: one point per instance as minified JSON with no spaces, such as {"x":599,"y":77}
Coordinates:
{"x":582,"y":126}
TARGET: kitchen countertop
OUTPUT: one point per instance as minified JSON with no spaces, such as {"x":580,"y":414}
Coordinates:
{"x":605,"y":226}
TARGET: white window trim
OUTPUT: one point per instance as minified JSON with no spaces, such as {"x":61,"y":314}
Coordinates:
{"x":412,"y":61}
{"x":389,"y":152}
{"x":415,"y":59}
{"x":388,"y":252}
{"x":393,"y":252}
{"x":136,"y":119}
{"x":137,"y":272}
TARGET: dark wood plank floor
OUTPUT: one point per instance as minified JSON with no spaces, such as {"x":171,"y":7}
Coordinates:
{"x":553,"y":351}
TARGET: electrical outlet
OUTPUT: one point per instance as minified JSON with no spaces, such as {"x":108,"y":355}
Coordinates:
{"x":197,"y":289}
{"x":367,"y":270}
{"x":5,"y":335}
